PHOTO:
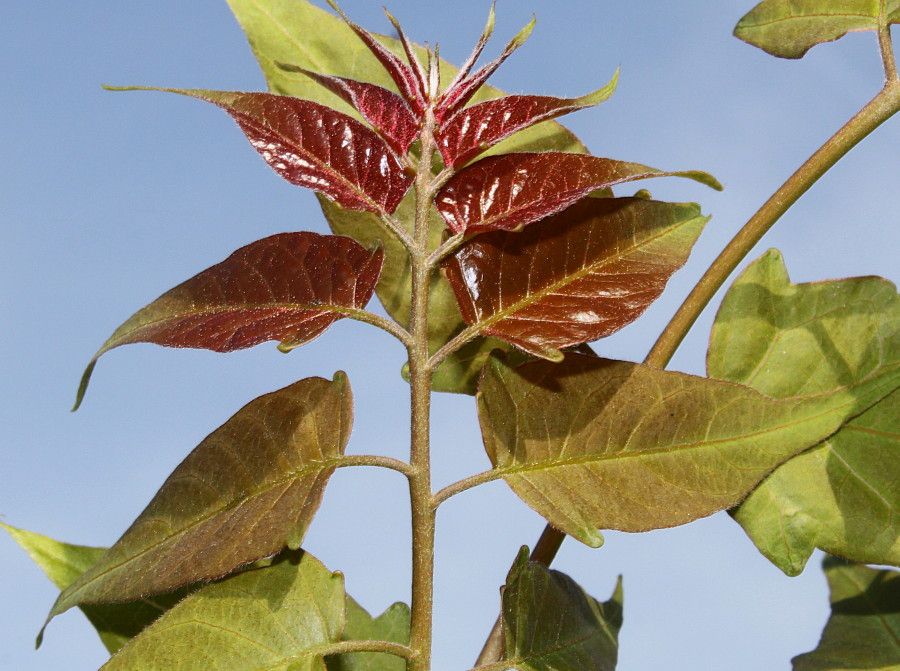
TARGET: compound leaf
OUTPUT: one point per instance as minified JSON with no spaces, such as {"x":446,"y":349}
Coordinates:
{"x":510,"y":191}
{"x":786,"y":340}
{"x":863,"y":632}
{"x":249,"y":489}
{"x":573,"y":277}
{"x":314,"y":146}
{"x":392,"y":625}
{"x":63,"y":563}
{"x":790,"y":28}
{"x":596,"y":444}
{"x":281,"y":617}
{"x":551,"y":624}
{"x":289,"y":287}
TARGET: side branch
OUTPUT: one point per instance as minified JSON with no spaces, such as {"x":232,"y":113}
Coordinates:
{"x":877,"y":111}
{"x":464,"y":484}
{"x":384,"y":324}
{"x":386,"y":647}
{"x":375,"y":461}
{"x":394,"y":226}
{"x":461,"y":339}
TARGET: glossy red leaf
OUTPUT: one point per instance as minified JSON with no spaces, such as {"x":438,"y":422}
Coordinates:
{"x":385,"y":110}
{"x":461,"y":90}
{"x":315,"y":146}
{"x":475,"y":129}
{"x":509,"y":191}
{"x":574,"y":277}
{"x":288,"y":287}
{"x":403,"y":75}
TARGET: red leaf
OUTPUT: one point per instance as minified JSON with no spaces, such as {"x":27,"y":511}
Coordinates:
{"x":461,"y":89}
{"x":477,"y":128}
{"x":406,"y":80}
{"x":385,"y":110}
{"x":288,"y":287}
{"x":509,"y":191}
{"x":315,"y":146}
{"x":574,"y":277}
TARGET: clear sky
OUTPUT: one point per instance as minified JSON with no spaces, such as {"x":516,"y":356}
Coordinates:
{"x":109,"y":199}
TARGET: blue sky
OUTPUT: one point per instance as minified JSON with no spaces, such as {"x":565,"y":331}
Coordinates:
{"x":109,"y":199}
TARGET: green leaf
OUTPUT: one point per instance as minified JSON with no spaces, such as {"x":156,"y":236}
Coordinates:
{"x":551,"y":624}
{"x":248,"y":490}
{"x":596,"y":444}
{"x":281,"y":617}
{"x":63,"y":563}
{"x":787,"y":340}
{"x":392,"y":625}
{"x":300,"y":34}
{"x":863,"y":632}
{"x":790,"y":28}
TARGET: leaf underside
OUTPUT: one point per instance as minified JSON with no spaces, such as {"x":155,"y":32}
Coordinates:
{"x":289,"y":287}
{"x":248,"y":490}
{"x":63,"y":563}
{"x":574,"y":277}
{"x":281,"y":617}
{"x":787,"y":339}
{"x":551,"y":624}
{"x":392,"y":625}
{"x":788,"y":29}
{"x":596,"y":444}
{"x":863,"y":632}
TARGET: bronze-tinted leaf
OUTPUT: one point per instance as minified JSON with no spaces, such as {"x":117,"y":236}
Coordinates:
{"x":384,"y":109}
{"x":316,"y":147}
{"x":786,"y":339}
{"x":288,"y":287}
{"x":464,"y":86}
{"x":596,"y":444}
{"x":249,"y":489}
{"x":509,"y":191}
{"x":863,"y":632}
{"x":552,"y":624}
{"x":405,"y":77}
{"x":574,"y":277}
{"x":475,"y":129}
{"x":790,"y":29}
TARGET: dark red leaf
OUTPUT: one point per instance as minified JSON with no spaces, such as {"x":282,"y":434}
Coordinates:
{"x":402,"y":74}
{"x":385,"y":110}
{"x":574,"y":277}
{"x":288,"y":287}
{"x":509,"y":191}
{"x":475,"y":129}
{"x":462,"y":89}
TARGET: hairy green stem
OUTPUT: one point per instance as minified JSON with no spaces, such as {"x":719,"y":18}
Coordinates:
{"x":462,"y":485}
{"x":886,"y":45}
{"x":878,"y":110}
{"x":377,"y":461}
{"x":420,"y":374}
{"x":386,"y":647}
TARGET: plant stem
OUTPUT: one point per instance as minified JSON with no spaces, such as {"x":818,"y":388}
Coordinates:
{"x":873,"y":114}
{"x":876,"y":112}
{"x":420,"y":373}
{"x":376,"y":461}
{"x":466,"y":483}
{"x":386,"y":647}
{"x":886,"y":45}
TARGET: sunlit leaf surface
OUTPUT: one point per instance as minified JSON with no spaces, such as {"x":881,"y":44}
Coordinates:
{"x":596,"y":444}
{"x":384,"y":109}
{"x":551,"y":624}
{"x":279,"y":618}
{"x":249,"y":489}
{"x":63,"y":563}
{"x":289,"y":287}
{"x":790,"y":28}
{"x":392,"y":625}
{"x":314,"y":146}
{"x":475,"y":129}
{"x":574,"y":277}
{"x":863,"y":632}
{"x":786,"y":340}
{"x":507,"y":192}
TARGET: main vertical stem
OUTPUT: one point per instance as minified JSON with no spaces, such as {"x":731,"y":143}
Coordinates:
{"x":420,"y":373}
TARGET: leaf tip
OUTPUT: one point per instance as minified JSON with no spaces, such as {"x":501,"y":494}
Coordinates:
{"x":83,"y":385}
